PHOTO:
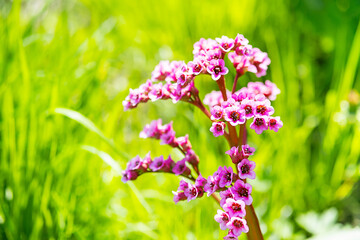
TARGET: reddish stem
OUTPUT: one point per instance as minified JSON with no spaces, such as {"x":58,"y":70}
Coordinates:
{"x":235,"y":82}
{"x":222,"y":87}
{"x":253,"y":223}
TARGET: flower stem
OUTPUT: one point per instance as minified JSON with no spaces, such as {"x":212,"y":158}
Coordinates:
{"x":235,"y":82}
{"x":222,"y":87}
{"x":253,"y":223}
{"x":216,"y":197}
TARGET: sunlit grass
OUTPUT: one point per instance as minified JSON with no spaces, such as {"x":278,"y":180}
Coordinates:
{"x":84,"y":55}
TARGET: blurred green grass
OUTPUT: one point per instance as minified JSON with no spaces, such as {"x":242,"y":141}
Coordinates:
{"x":84,"y":55}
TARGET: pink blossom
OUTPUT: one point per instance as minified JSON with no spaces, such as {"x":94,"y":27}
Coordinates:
{"x":246,"y":150}
{"x":259,"y":124}
{"x":191,"y":192}
{"x":156,"y":92}
{"x":231,"y":236}
{"x":235,"y":208}
{"x":263,"y":108}
{"x":234,"y":154}
{"x":191,"y":157}
{"x":246,"y":169}
{"x":215,"y":98}
{"x":240,"y":40}
{"x":218,"y":128}
{"x":237,"y":225}
{"x":275,"y":123}
{"x":183,"y":75}
{"x":135,"y":164}
{"x":211,"y":185}
{"x":180,"y":168}
{"x":152,"y":130}
{"x":242,"y":191}
{"x":249,"y":108}
{"x":196,"y":67}
{"x":225,"y":195}
{"x":128,"y":175}
{"x":200,"y":181}
{"x":260,"y":61}
{"x":161,"y":71}
{"x":216,"y":113}
{"x":168,"y":164}
{"x":225,"y":177}
{"x":168,"y":138}
{"x":217,"y":68}
{"x":272,"y":90}
{"x":222,"y":218}
{"x":234,"y":115}
{"x":225,"y":43}
{"x":184,"y":142}
{"x":179,"y":196}
{"x":245,"y":50}
{"x":157,"y":164}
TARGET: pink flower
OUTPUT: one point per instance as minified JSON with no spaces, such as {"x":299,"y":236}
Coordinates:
{"x":242,"y":191}
{"x":246,"y":150}
{"x":225,"y":195}
{"x":196,"y":67}
{"x":191,"y":157}
{"x":211,"y":185}
{"x":225,"y":177}
{"x":213,"y":54}
{"x":218,"y":128}
{"x":215,"y":98}
{"x":156,"y":92}
{"x":234,"y":115}
{"x":168,"y":164}
{"x":128,"y":175}
{"x":237,"y":225}
{"x":234,"y":154}
{"x":240,"y":40}
{"x":259,"y":124}
{"x":261,"y":62}
{"x":191,"y":192}
{"x":180,"y":168}
{"x":245,"y":50}
{"x":248,"y":107}
{"x":152,"y":130}
{"x":246,"y":169}
{"x":235,"y":208}
{"x":216,"y":113}
{"x":225,"y":43}
{"x":275,"y":123}
{"x":200,"y":181}
{"x":135,"y":164}
{"x":168,"y":138}
{"x":217,"y":68}
{"x":263,"y":108}
{"x":222,"y":218}
{"x":272,"y":90}
{"x":183,"y":75}
{"x":157,"y":164}
{"x":231,"y":236}
{"x":184,"y":142}
{"x":161,"y":71}
{"x":179,"y":196}
{"x":231,"y":102}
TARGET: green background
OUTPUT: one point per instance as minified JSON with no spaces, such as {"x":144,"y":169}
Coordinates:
{"x":84,"y":55}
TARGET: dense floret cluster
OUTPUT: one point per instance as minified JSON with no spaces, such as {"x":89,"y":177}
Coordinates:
{"x":227,"y":110}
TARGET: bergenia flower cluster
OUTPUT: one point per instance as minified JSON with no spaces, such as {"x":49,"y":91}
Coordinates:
{"x":227,"y":110}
